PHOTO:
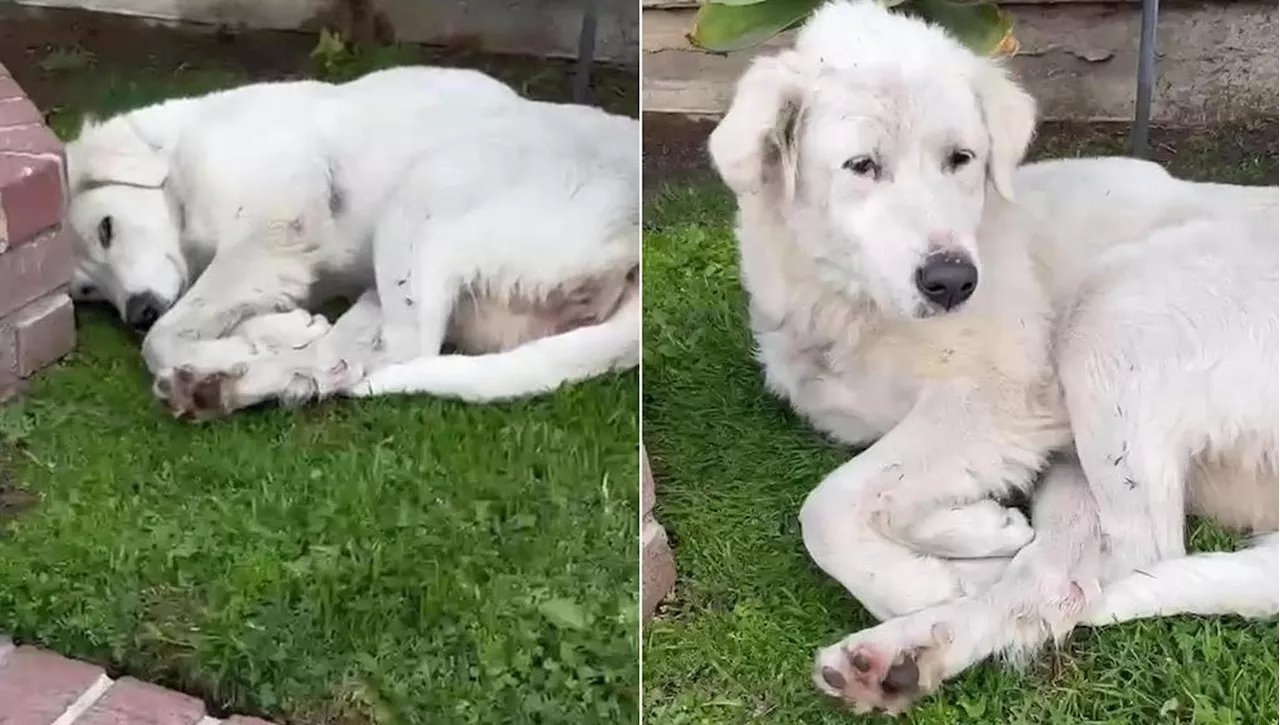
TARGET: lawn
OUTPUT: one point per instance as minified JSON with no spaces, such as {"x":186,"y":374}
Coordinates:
{"x":383,"y":561}
{"x":735,"y":642}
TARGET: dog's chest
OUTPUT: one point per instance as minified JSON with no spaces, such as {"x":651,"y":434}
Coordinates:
{"x":856,"y":376}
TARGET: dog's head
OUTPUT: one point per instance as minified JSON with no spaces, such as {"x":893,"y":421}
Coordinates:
{"x":878,"y":140}
{"x":129,"y":252}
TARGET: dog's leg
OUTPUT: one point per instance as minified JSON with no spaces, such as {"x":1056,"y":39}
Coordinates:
{"x":417,"y":261}
{"x":1042,"y":595}
{"x":283,"y":330}
{"x":949,"y":452}
{"x":1240,"y":582}
{"x":237,"y":285}
{"x":841,"y":541}
{"x":533,"y":368}
{"x":1126,"y":426}
{"x":293,"y":376}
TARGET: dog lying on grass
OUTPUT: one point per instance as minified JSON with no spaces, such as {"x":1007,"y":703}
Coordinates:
{"x":1095,"y":332}
{"x":459,"y":213}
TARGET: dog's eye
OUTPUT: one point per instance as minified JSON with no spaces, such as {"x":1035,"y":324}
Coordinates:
{"x":863,"y":166}
{"x":104,"y":232}
{"x":959,"y":159}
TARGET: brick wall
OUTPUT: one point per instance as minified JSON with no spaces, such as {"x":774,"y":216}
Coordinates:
{"x":36,"y":322}
{"x":659,"y":567}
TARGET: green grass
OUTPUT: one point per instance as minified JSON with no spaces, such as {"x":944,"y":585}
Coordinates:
{"x":733,"y":464}
{"x":384,"y":561}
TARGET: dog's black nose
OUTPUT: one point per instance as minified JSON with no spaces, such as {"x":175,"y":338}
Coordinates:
{"x":141,"y":311}
{"x":947,"y":280}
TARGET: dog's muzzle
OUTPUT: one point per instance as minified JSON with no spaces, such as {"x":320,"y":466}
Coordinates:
{"x":947,"y":279}
{"x":142,"y":310}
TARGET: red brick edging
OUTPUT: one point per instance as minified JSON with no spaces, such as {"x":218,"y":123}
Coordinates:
{"x":38,"y":687}
{"x":659,"y":566}
{"x":37,"y":325}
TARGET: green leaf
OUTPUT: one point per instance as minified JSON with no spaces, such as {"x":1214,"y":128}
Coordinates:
{"x":563,"y":613}
{"x":723,"y":28}
{"x":983,"y":27}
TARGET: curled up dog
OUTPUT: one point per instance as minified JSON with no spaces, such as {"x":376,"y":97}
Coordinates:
{"x":457,"y":213}
{"x":1093,"y":332}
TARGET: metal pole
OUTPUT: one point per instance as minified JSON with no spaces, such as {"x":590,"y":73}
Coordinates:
{"x":1146,"y":78}
{"x":586,"y":51}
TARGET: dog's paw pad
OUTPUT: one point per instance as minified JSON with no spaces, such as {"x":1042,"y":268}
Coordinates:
{"x":194,"y":395}
{"x":871,"y":678}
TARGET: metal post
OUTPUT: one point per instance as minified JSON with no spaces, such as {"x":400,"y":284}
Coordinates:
{"x":586,"y":51}
{"x":1146,"y":78}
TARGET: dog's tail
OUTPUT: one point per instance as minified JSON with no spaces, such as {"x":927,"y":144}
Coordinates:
{"x":533,"y":368}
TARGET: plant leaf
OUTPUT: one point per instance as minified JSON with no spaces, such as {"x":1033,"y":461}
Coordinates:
{"x":563,"y":613}
{"x":983,"y":27}
{"x":723,"y":28}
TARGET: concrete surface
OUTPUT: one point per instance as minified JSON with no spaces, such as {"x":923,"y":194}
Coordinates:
{"x":1216,"y":63}
{"x":547,"y":28}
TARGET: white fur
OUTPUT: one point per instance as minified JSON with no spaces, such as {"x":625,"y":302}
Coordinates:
{"x":1117,"y":306}
{"x":421,"y":182}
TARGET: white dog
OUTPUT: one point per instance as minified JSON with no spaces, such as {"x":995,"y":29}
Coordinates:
{"x":901,"y":297}
{"x":470,"y":216}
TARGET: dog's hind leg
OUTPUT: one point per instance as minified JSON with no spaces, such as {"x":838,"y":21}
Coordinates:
{"x":535,"y":367}
{"x":404,"y":293}
{"x":1042,"y":595}
{"x":1132,"y":427}
{"x":1240,"y":582}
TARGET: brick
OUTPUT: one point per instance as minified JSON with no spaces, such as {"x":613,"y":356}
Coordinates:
{"x":35,"y":269}
{"x":9,"y":88}
{"x":9,"y":377}
{"x":18,"y":112}
{"x":132,"y":702}
{"x":658,"y":567}
{"x":34,"y":138}
{"x":30,"y":194}
{"x":36,"y":686}
{"x":45,"y":330}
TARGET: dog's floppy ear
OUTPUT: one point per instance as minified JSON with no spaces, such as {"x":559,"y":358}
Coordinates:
{"x":754,"y":142}
{"x":1010,"y":115}
{"x":114,"y":152}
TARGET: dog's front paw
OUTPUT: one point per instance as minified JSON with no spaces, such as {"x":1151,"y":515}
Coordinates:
{"x":292,"y":330}
{"x":883,"y":669}
{"x":191,"y":394}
